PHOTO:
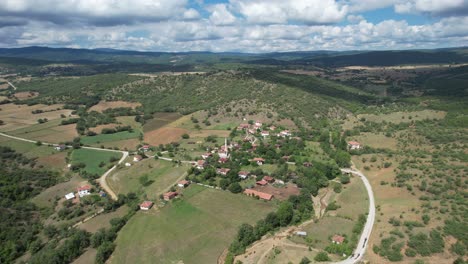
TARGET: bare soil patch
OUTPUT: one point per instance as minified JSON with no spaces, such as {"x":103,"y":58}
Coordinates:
{"x":164,"y":135}
{"x":103,"y":105}
{"x":25,"y":95}
{"x":56,"y":160}
{"x":206,"y":132}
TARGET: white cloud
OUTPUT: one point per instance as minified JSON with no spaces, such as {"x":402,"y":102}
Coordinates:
{"x":95,"y":11}
{"x":431,"y":6}
{"x":220,"y":15}
{"x":280,"y":11}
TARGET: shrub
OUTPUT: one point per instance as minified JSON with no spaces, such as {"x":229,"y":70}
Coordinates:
{"x":321,"y":257}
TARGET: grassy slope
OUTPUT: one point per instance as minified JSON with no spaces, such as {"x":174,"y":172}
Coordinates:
{"x":195,"y":229}
{"x":162,"y":174}
{"x":101,"y":138}
{"x":92,"y":158}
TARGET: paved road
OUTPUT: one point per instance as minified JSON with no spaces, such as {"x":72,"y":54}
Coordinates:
{"x":102,"y":180}
{"x":14,"y":87}
{"x":364,"y":240}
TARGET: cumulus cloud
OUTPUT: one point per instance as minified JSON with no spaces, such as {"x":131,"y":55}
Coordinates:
{"x":220,"y":15}
{"x":280,"y":11}
{"x":101,"y":12}
{"x":237,"y":25}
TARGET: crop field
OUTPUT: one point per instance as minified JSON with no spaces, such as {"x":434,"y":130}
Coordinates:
{"x":193,"y":229}
{"x":20,"y":116}
{"x":164,"y":135}
{"x":51,"y":132}
{"x":103,"y":105}
{"x":160,"y":120}
{"x":103,"y":138}
{"x":92,"y":159}
{"x":161,"y":175}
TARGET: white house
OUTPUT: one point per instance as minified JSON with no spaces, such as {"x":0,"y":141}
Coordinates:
{"x":127,"y":164}
{"x":243,"y":174}
{"x":69,"y":196}
{"x":284,"y":133}
{"x":84,"y":190}
{"x":354,"y":145}
{"x":265,"y":133}
{"x":137,"y":158}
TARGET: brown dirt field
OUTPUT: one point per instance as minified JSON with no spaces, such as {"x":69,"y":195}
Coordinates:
{"x":56,"y":160}
{"x":4,"y":86}
{"x":206,"y":132}
{"x":279,"y":193}
{"x":103,"y":105}
{"x":60,"y":134}
{"x":25,"y":95}
{"x":164,"y":135}
{"x":19,"y":116}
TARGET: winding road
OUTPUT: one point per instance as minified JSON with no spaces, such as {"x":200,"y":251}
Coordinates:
{"x":358,"y":252}
{"x":364,"y":240}
{"x":102,"y":180}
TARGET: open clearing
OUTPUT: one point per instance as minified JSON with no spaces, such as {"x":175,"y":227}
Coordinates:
{"x":164,"y":135}
{"x":103,"y":105}
{"x":102,"y":220}
{"x":47,"y":197}
{"x":162,"y":174}
{"x":20,"y":116}
{"x":102,"y":138}
{"x":193,"y":229}
{"x":92,"y":159}
{"x":160,"y":120}
{"x":25,"y":95}
{"x":51,"y":132}
{"x":28,"y":149}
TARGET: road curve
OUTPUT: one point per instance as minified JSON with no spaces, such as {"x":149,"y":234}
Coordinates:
{"x":364,"y":240}
{"x":102,"y":180}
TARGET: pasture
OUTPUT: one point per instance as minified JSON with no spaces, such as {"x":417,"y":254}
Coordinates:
{"x":93,"y":159}
{"x":58,"y":191}
{"x":161,"y":175}
{"x":193,"y":229}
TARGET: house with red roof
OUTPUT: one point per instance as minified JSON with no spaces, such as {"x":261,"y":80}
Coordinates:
{"x":261,"y":195}
{"x":284,"y":133}
{"x":137,"y":158}
{"x":243,"y":174}
{"x":183,"y":183}
{"x":352,"y":145}
{"x":223,"y":171}
{"x":200,"y":164}
{"x":146,"y":205}
{"x":84,"y":190}
{"x":223,"y":160}
{"x":145,"y":147}
{"x":206,"y":155}
{"x":337,"y":239}
{"x":170,"y":195}
{"x":261,"y":183}
{"x":265,"y":133}
{"x":269,"y":179}
{"x":243,"y":126}
{"x":259,"y":161}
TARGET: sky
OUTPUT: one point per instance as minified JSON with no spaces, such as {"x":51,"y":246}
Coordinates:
{"x":235,"y":25}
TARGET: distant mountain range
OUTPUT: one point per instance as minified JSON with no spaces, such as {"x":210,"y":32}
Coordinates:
{"x":319,"y":58}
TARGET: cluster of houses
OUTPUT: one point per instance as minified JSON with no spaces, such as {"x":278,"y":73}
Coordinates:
{"x":257,"y":126}
{"x":81,"y":192}
{"x":146,"y":205}
{"x":263,"y":182}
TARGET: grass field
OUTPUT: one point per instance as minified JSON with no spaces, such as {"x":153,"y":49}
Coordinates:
{"x":103,"y":105}
{"x":162,"y":174}
{"x":29,"y":149}
{"x":51,"y":132}
{"x":102,"y":220}
{"x":105,"y":138}
{"x":353,"y":199}
{"x":160,"y":120}
{"x":92,"y":159}
{"x":195,"y":229}
{"x":47,"y":197}
{"x":377,"y":141}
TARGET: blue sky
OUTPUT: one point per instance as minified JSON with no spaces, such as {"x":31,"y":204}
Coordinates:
{"x":235,"y":25}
